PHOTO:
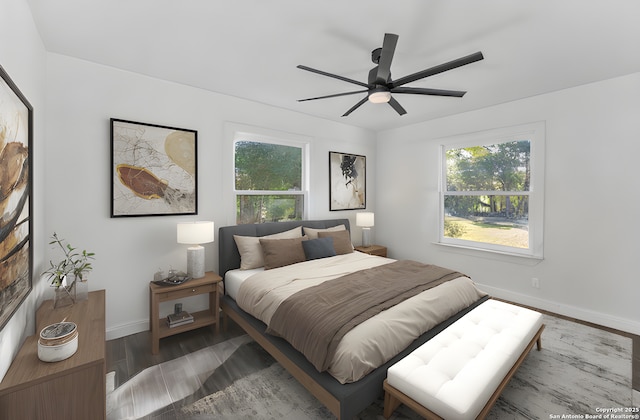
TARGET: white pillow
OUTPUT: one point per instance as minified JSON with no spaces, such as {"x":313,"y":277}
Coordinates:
{"x":251,"y":251}
{"x":313,"y":233}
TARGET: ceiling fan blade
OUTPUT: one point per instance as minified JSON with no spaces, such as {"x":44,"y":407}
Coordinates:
{"x":333,"y":96}
{"x":395,"y":105}
{"x":472,"y":58}
{"x":386,"y":56}
{"x":356,"y":106}
{"x":335,"y":76}
{"x":427,"y":91}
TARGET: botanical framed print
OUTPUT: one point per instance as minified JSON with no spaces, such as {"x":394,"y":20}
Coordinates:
{"x":154,"y":170}
{"x":16,"y":206}
{"x":347,"y":181}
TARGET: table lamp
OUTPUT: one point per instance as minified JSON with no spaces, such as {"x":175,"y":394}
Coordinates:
{"x":365,"y":221}
{"x":195,"y":233}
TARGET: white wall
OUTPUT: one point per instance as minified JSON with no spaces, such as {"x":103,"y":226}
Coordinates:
{"x":22,"y":56}
{"x":591,"y":202}
{"x":82,"y":96}
{"x":591,"y":190}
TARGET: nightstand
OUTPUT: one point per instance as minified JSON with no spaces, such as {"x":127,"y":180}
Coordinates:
{"x":207,"y":284}
{"x":378,"y":250}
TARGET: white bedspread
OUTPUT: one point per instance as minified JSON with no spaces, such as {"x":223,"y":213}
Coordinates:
{"x":376,"y":340}
{"x":233,"y":279}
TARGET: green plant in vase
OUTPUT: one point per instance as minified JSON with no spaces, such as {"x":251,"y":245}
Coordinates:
{"x":74,"y":263}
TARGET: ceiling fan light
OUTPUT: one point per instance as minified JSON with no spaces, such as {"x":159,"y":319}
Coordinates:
{"x":380,"y":97}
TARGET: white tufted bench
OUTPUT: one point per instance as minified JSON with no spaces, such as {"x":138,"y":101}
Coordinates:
{"x":460,"y":373}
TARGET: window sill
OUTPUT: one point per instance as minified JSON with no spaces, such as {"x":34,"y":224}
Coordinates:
{"x":492,"y":254}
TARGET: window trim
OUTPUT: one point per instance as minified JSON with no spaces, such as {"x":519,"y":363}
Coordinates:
{"x":535,"y":133}
{"x":258,"y":135}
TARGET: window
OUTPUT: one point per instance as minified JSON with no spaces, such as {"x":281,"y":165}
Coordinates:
{"x":270,"y":183}
{"x":491,"y":192}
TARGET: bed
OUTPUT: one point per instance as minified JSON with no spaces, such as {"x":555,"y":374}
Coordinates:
{"x":344,"y":398}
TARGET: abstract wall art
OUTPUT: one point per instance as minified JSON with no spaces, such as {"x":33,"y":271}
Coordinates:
{"x":347,"y":181}
{"x":16,"y":206}
{"x":153,"y":170}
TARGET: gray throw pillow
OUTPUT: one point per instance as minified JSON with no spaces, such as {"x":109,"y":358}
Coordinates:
{"x":319,"y":248}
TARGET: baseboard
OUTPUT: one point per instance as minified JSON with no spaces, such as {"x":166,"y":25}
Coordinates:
{"x":123,"y":330}
{"x":605,"y":320}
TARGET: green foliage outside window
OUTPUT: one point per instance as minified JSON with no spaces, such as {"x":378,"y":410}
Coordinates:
{"x":453,"y":229}
{"x":268,"y":169}
{"x":486,"y":198}
{"x":497,"y":167}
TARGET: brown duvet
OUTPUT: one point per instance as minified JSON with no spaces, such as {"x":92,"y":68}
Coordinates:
{"x":375,"y":340}
{"x":314,"y":320}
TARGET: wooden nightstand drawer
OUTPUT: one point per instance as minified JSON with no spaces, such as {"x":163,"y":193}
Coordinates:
{"x":177,"y":294}
{"x":378,"y":250}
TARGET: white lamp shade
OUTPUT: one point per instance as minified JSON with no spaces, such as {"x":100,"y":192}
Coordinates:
{"x":364,"y":219}
{"x":195,"y":232}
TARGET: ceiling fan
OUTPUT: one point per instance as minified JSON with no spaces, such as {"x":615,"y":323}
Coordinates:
{"x":380,"y":86}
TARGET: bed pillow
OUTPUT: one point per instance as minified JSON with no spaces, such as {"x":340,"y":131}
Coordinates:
{"x":318,"y":248}
{"x":313,"y":233}
{"x":341,"y":241}
{"x":251,"y":252}
{"x":281,"y":252}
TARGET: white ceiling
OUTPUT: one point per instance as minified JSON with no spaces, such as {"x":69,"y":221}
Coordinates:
{"x":250,"y":48}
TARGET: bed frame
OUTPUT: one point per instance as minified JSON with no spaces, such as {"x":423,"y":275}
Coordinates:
{"x":343,"y":400}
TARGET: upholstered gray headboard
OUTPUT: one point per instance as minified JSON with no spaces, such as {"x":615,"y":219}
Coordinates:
{"x":228,"y":255}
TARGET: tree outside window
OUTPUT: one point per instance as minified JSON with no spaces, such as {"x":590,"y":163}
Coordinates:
{"x":268,"y":181}
{"x":487,"y":195}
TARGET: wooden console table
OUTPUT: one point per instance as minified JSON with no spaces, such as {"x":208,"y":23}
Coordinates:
{"x":160,"y":329}
{"x":70,"y":389}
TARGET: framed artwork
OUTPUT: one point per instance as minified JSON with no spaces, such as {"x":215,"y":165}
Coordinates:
{"x":347,"y":181}
{"x":16,"y":206}
{"x":154,"y":170}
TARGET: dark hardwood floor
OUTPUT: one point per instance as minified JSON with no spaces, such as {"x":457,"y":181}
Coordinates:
{"x":127,"y":356}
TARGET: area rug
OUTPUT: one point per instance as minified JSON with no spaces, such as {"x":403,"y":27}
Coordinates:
{"x":580,"y":371}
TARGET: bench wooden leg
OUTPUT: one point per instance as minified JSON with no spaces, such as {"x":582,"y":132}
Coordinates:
{"x":539,"y":343}
{"x":393,"y":398}
{"x":390,"y":401}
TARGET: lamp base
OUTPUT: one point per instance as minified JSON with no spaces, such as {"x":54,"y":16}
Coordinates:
{"x":195,"y":261}
{"x":366,"y":236}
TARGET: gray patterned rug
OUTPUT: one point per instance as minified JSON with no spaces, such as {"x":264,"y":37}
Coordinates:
{"x":579,"y":371}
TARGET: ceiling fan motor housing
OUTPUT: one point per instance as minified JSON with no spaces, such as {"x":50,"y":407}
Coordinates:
{"x":375,"y":55}
{"x":380,"y":86}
